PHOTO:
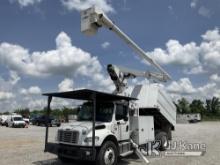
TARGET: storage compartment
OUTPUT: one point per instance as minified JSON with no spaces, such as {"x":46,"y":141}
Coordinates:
{"x":142,"y":129}
{"x":153,"y":99}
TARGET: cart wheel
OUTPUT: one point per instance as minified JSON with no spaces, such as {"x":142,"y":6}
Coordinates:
{"x":163,"y":138}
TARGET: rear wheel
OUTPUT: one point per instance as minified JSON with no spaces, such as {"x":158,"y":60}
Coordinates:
{"x":163,"y":138}
{"x":108,"y":154}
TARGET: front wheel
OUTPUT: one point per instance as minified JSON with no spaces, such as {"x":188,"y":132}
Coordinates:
{"x":108,"y":154}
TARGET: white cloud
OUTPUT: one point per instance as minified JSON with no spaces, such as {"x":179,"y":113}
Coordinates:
{"x":14,"y":78}
{"x":66,"y":85}
{"x":171,"y":10}
{"x":202,"y":10}
{"x":190,"y":57}
{"x":84,"y":4}
{"x":210,"y":49}
{"x":105,"y":45}
{"x":6,"y":95}
{"x":177,"y":54}
{"x":25,"y":3}
{"x":193,"y":3}
{"x":215,"y":78}
{"x":212,"y":35}
{"x":33,"y":90}
{"x":205,"y":12}
{"x":36,"y":103}
{"x":10,"y":83}
{"x":195,"y":70}
{"x":63,"y":41}
{"x":183,"y":86}
{"x":207,"y":91}
{"x":66,"y":58}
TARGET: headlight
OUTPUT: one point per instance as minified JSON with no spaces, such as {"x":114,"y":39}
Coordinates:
{"x":89,"y":139}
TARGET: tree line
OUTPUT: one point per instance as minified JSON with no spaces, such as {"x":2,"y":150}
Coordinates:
{"x":62,"y":113}
{"x":209,"y":109}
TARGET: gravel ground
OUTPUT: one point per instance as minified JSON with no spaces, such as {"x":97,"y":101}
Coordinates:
{"x":24,"y":146}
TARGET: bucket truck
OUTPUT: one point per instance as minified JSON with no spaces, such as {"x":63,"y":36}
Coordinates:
{"x":112,"y":125}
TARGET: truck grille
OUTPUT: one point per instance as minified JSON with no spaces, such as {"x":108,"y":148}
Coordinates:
{"x":68,"y":136}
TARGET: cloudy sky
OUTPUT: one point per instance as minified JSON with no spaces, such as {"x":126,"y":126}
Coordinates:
{"x":42,"y":49}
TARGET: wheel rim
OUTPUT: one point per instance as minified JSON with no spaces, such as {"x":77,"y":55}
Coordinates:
{"x":165,"y":142}
{"x":109,"y":156}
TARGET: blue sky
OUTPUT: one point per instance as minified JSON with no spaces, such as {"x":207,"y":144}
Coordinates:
{"x":42,"y":48}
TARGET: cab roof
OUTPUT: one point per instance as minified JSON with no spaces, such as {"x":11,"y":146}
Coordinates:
{"x":87,"y":94}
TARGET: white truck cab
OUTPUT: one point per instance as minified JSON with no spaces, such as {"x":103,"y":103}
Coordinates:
{"x":15,"y":121}
{"x":111,"y":120}
{"x":109,"y":126}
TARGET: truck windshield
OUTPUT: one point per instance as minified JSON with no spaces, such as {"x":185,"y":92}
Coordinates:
{"x":18,"y":119}
{"x":104,"y":112}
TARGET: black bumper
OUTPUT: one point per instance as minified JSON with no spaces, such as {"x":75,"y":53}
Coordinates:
{"x":19,"y":125}
{"x":72,"y":152}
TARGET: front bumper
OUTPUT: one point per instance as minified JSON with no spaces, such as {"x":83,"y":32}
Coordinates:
{"x":18,"y":125}
{"x":72,"y":152}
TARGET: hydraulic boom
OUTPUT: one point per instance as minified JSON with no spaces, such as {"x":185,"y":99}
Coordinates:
{"x":93,"y":18}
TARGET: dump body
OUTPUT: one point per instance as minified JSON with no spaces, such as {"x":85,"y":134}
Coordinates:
{"x":152,"y":98}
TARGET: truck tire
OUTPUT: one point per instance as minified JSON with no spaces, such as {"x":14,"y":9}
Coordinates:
{"x":163,"y":138}
{"x":108,"y":154}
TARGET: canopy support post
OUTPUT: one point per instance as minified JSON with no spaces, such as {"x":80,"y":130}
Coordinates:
{"x":47,"y":121}
{"x":93,"y":126}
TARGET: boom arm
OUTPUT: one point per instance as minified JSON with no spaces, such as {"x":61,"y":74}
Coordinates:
{"x":119,"y":75}
{"x":93,"y":18}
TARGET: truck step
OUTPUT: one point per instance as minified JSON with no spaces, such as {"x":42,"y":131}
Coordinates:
{"x":126,"y":153}
{"x":125,"y":148}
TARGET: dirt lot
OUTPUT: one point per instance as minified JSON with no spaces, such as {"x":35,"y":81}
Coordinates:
{"x":25,"y":146}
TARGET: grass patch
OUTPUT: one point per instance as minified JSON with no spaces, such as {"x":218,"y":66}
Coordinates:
{"x":211,"y":118}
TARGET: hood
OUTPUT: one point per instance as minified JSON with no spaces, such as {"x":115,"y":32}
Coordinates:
{"x":82,"y":125}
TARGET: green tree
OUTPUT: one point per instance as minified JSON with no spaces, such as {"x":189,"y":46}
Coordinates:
{"x":57,"y":113}
{"x":183,"y":106}
{"x":6,"y":113}
{"x":213,"y":105}
{"x":197,"y":106}
{"x":23,"y":112}
{"x":177,"y":107}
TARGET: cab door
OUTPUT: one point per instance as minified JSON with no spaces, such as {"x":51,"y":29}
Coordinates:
{"x":121,"y":118}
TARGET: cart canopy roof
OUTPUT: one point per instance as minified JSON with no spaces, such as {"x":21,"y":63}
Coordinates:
{"x":87,"y":94}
